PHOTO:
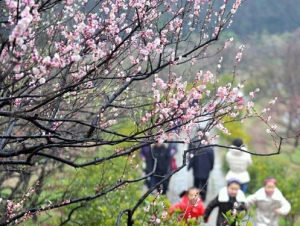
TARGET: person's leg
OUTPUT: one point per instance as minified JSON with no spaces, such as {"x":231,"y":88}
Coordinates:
{"x":196,"y":182}
{"x":148,"y":182}
{"x":153,"y":181}
{"x":200,"y":183}
{"x":165,"y":187}
{"x":203,"y":186}
{"x":244,"y":187}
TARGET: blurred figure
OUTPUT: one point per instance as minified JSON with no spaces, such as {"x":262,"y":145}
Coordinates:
{"x":269,"y":203}
{"x":229,"y":198}
{"x":173,"y":150}
{"x":202,"y":162}
{"x":190,"y":206}
{"x":145,"y":155}
{"x":162,"y":153}
{"x":238,"y":162}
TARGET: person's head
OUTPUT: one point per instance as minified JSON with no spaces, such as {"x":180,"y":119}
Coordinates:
{"x":192,"y":194}
{"x":158,"y":144}
{"x":233,"y":186}
{"x":237,"y":142}
{"x":270,"y":185}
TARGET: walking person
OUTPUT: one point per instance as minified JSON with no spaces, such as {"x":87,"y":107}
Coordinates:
{"x":269,"y":202}
{"x":202,"y":162}
{"x":146,"y":157}
{"x":173,"y":146}
{"x":228,"y":198}
{"x":190,"y":206}
{"x":238,"y":162}
{"x":162,"y":153}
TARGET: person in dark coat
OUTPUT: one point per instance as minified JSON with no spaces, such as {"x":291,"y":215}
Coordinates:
{"x":173,"y":146}
{"x":202,"y":163}
{"x":229,"y":198}
{"x":146,"y":157}
{"x":163,"y":155}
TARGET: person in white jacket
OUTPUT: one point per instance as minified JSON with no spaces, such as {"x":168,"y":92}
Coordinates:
{"x":269,"y":203}
{"x":238,"y":162}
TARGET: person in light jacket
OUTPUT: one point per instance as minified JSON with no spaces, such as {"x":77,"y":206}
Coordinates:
{"x":269,"y":203}
{"x":238,"y":162}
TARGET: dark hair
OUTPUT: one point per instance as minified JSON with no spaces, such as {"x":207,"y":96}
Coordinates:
{"x":237,"y":142}
{"x":185,"y":192}
{"x":233,"y":181}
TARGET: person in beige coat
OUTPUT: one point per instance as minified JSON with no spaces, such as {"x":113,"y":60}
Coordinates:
{"x":238,"y":162}
{"x":269,"y":203}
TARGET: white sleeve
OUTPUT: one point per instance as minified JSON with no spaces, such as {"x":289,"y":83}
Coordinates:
{"x":250,"y":160}
{"x":251,"y":200}
{"x":285,"y":206}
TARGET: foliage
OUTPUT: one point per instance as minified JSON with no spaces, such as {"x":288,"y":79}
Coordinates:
{"x":237,"y":131}
{"x":238,"y":219}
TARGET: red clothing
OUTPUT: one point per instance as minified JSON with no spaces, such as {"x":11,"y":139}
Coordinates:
{"x":189,"y":210}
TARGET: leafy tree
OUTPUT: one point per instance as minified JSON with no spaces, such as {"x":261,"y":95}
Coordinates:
{"x":83,"y":83}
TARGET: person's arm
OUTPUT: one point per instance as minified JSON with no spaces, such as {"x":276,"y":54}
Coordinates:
{"x":242,"y":206}
{"x":174,"y":207}
{"x":250,"y":160}
{"x":212,"y":159}
{"x":191,"y":160}
{"x":251,"y":200}
{"x":173,"y":148}
{"x":227,"y":158}
{"x":142,"y":154}
{"x":214,"y":203}
{"x":201,"y":208}
{"x":285,"y":207}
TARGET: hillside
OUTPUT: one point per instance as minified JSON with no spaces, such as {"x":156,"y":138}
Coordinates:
{"x":258,"y":16}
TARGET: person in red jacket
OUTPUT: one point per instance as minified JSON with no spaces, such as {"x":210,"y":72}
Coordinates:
{"x":190,"y":206}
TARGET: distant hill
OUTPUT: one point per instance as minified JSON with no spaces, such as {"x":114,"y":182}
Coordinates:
{"x":271,"y":16}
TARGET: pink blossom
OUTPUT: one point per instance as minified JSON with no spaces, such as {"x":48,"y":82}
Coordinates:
{"x":17,"y":102}
{"x":161,"y":83}
{"x":42,"y":80}
{"x":238,"y":57}
{"x":75,"y":58}
{"x":227,"y":44}
{"x":35,"y":71}
{"x":164,"y":214}
{"x":217,"y":29}
{"x":147,"y":208}
{"x":47,"y":60}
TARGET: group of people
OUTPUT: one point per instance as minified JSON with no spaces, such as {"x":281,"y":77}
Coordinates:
{"x":268,"y":200}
